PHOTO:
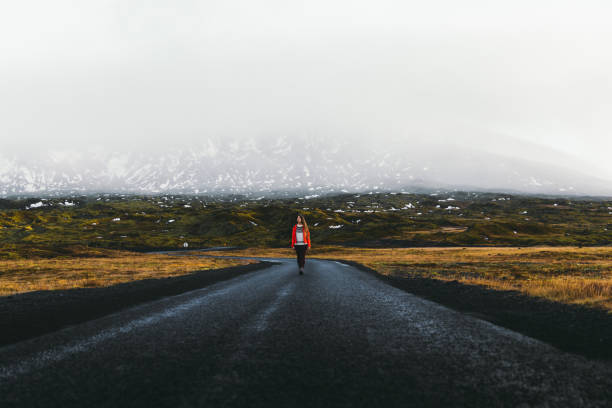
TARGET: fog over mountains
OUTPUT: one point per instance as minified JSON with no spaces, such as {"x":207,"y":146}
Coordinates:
{"x":318,"y":96}
{"x":303,"y":163}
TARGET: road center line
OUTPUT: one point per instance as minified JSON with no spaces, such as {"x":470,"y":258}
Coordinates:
{"x":260,"y":322}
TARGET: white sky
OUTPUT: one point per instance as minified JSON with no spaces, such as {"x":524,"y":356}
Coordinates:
{"x":129,"y":73}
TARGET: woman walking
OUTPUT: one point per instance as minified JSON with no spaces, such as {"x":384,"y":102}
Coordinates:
{"x":300,"y":240}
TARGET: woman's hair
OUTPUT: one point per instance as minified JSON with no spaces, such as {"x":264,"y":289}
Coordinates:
{"x":304,"y":222}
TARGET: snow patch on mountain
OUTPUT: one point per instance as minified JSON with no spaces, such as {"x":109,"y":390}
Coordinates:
{"x":254,"y":166}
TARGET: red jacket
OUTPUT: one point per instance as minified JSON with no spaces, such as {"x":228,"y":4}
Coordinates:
{"x":294,"y":238}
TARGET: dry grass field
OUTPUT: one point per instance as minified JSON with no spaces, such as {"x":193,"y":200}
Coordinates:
{"x":104,"y":268}
{"x":563,"y":274}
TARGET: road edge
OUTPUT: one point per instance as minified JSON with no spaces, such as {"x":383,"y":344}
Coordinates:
{"x":32,"y":314}
{"x":571,"y":328}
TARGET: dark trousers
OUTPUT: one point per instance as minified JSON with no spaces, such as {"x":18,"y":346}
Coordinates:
{"x":300,"y":250}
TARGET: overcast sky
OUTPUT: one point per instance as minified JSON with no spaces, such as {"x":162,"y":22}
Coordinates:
{"x":125,"y":74}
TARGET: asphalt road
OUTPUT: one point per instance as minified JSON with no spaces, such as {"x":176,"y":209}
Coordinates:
{"x":333,"y":337}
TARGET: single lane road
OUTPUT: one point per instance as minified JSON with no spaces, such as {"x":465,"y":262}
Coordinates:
{"x":333,"y":337}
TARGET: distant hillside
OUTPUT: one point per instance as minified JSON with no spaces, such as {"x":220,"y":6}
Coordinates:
{"x":50,"y":226}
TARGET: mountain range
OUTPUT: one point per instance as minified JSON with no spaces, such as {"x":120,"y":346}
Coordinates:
{"x":308,"y":164}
